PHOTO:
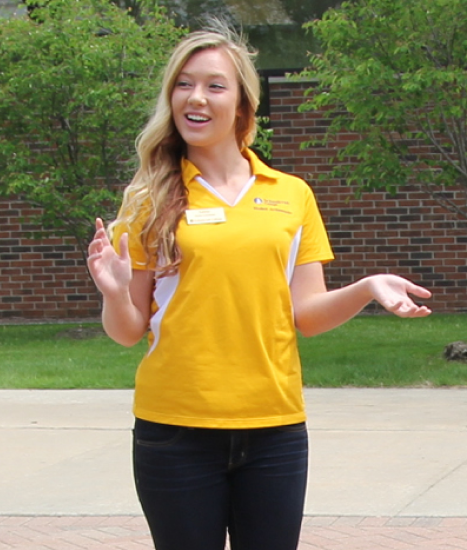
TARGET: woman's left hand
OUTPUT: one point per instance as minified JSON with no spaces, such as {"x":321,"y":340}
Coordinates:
{"x":392,"y":292}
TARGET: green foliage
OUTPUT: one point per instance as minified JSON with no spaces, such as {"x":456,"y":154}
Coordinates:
{"x":77,"y":82}
{"x":392,"y":71}
{"x":136,"y":8}
{"x":263,"y":139}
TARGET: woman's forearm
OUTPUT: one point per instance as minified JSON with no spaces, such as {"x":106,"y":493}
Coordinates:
{"x":318,"y":310}
{"x":123,"y":321}
{"x":324,"y":311}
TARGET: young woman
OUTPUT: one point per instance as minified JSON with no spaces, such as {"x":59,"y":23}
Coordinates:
{"x":221,"y":258}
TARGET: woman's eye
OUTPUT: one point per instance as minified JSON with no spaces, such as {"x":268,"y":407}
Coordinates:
{"x":182,"y":84}
{"x":217,"y":86}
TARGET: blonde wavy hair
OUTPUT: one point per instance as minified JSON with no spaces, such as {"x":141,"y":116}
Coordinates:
{"x":157,"y":189}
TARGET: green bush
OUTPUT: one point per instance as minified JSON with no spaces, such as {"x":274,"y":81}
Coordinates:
{"x":394,"y":72}
{"x":77,"y":82}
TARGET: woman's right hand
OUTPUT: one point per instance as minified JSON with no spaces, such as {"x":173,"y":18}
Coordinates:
{"x":111,"y":272}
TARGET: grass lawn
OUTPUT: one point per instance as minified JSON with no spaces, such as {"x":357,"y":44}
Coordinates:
{"x":373,"y":351}
{"x":64,"y":356}
{"x":368,"y":351}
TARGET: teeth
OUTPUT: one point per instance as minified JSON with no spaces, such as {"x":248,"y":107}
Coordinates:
{"x":197,"y":118}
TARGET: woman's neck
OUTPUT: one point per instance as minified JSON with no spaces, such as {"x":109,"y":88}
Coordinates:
{"x":221,"y":168}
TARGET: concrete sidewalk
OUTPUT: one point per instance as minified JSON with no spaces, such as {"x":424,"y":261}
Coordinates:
{"x":392,"y":462}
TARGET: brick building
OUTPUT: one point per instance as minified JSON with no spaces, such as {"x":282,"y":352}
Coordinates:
{"x":408,"y":234}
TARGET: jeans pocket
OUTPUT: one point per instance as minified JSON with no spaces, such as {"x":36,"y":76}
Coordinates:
{"x":153,"y":434}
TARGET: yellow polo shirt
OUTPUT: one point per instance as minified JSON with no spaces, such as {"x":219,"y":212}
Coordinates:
{"x":222,"y":342}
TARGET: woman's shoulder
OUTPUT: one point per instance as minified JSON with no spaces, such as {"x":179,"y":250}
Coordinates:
{"x":262,"y":170}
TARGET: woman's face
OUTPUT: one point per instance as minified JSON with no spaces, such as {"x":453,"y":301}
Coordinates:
{"x":205,"y":100}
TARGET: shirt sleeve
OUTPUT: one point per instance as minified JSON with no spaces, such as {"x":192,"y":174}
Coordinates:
{"x":139,"y":259}
{"x":314,"y":242}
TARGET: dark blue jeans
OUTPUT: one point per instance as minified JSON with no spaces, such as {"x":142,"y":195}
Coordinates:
{"x":197,"y":484}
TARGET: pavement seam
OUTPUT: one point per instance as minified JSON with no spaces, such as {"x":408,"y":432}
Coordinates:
{"x":448,"y":473}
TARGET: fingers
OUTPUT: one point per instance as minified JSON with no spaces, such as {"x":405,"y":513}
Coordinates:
{"x":100,"y":238}
{"x":124,"y":250}
{"x":96,"y":246}
{"x":423,"y":311}
{"x":101,"y":233}
{"x":414,"y":312}
{"x":94,"y":254}
{"x":94,"y":251}
{"x":393,"y":294}
{"x":419,"y":291}
{"x":408,"y":308}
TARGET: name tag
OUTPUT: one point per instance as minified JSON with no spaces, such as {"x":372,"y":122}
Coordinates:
{"x":205,"y":215}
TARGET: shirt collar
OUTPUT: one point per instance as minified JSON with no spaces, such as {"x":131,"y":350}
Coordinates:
{"x":258,"y":168}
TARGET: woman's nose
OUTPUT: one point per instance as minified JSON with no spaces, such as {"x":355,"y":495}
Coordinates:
{"x":197,"y":97}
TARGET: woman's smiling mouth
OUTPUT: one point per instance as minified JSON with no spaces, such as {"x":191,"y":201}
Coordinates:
{"x":197,"y":118}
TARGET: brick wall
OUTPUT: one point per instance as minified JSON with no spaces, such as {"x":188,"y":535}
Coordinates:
{"x":408,"y":234}
{"x":40,"y":279}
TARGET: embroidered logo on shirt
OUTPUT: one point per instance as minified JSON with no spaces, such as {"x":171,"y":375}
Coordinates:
{"x":271,"y":205}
